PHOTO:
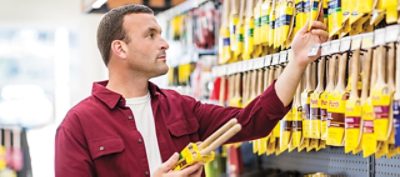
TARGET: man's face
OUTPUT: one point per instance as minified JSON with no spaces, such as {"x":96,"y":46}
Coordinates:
{"x":146,"y":48}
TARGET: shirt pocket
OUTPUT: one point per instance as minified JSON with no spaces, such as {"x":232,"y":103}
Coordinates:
{"x":108,"y":153}
{"x":183,"y":132}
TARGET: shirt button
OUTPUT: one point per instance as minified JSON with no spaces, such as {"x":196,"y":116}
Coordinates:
{"x":101,"y":148}
{"x":147,"y":173}
{"x":140,"y":140}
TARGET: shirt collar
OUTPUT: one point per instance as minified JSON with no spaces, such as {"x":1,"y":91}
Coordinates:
{"x":113,"y":99}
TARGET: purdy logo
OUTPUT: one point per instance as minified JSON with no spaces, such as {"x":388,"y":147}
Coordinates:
{"x":334,"y":104}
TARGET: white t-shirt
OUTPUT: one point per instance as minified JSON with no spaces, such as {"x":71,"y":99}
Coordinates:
{"x":144,"y":119}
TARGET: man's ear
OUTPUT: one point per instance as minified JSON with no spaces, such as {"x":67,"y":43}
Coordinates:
{"x":119,"y":48}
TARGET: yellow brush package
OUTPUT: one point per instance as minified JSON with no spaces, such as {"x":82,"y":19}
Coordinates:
{"x":265,"y":29}
{"x":390,"y":7}
{"x":335,"y":17}
{"x":191,"y":155}
{"x":300,"y":15}
{"x":381,"y":99}
{"x":353,"y":107}
{"x":368,"y":138}
{"x":233,"y":27}
{"x":272,"y":16}
{"x":285,"y":131}
{"x":286,"y":21}
{"x":248,"y":39}
{"x":337,"y":106}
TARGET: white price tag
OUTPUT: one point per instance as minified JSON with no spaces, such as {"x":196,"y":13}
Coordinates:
{"x":283,"y":57}
{"x":335,"y":47}
{"x":275,"y":59}
{"x":356,"y":42}
{"x":345,"y":44}
{"x":379,"y":37}
{"x":268,"y":60}
{"x":392,"y":33}
{"x":325,"y":48}
{"x":367,"y":40}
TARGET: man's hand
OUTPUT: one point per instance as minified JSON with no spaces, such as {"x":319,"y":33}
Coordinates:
{"x":305,"y":40}
{"x":302,"y":43}
{"x":166,"y":169}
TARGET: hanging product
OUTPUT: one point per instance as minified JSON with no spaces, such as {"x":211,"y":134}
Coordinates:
{"x":301,"y":17}
{"x":361,"y":14}
{"x":396,"y":101}
{"x":368,"y":139}
{"x":258,"y":48}
{"x":286,"y":20}
{"x":233,"y":27}
{"x":270,"y":139}
{"x":391,"y":85}
{"x":305,"y":102}
{"x":381,"y":97}
{"x":315,"y":104}
{"x":17,"y":154}
{"x":337,"y":103}
{"x":265,"y":21}
{"x":236,"y":99}
{"x":335,"y":17}
{"x":347,"y":8}
{"x":249,"y":30}
{"x":272,"y":24}
{"x":353,"y":105}
{"x":275,"y":134}
{"x":224,"y":36}
{"x":240,"y":31}
{"x":296,"y":131}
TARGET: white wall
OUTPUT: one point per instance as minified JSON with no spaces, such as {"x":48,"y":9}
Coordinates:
{"x":58,"y":14}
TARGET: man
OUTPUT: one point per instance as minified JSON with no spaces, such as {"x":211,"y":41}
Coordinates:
{"x":129,"y":126}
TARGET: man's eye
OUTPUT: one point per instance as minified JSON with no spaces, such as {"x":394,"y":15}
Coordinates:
{"x":151,"y":35}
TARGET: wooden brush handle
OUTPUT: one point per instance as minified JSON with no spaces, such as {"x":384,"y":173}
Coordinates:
{"x":238,"y":79}
{"x":266,"y":77}
{"x":271,"y":75}
{"x":231,"y":86}
{"x":381,"y":65}
{"x":222,"y":90}
{"x":221,"y":139}
{"x":331,"y":74}
{"x":391,"y":66}
{"x":342,"y":71}
{"x":260,"y":82}
{"x":354,"y":73}
{"x":366,"y":74}
{"x":321,"y":74}
{"x":308,"y":77}
{"x":218,"y":133}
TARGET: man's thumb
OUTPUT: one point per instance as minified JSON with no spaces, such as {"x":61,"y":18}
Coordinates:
{"x":170,"y":163}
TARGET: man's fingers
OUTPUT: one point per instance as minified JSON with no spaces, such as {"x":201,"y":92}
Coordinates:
{"x":318,"y":25}
{"x":191,"y":169}
{"x":198,"y":172}
{"x":323,"y":35}
{"x":169,"y":164}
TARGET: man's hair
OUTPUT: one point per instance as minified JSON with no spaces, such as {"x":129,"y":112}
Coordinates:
{"x":111,"y":27}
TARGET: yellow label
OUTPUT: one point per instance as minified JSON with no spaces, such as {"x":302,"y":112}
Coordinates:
{"x":288,"y":12}
{"x":382,"y":149}
{"x":271,"y":34}
{"x":265,"y":22}
{"x":235,"y":102}
{"x":305,"y":143}
{"x":336,"y":110}
{"x":335,"y":17}
{"x":300,"y":15}
{"x":277,"y":130}
{"x":391,"y":11}
{"x":255,"y":146}
{"x":233,"y":27}
{"x":352,"y":125}
{"x":368,"y":140}
{"x":381,"y":102}
{"x":257,"y":24}
{"x":249,"y":39}
{"x":270,"y":147}
{"x":285,"y":131}
{"x":324,"y":114}
{"x":297,"y":129}
{"x":263,"y":145}
{"x":315,"y":112}
{"x":191,"y":155}
{"x":239,"y":41}
{"x":305,"y":97}
{"x":225,"y":54}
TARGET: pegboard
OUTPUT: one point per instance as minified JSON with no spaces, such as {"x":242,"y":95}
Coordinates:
{"x":332,"y":161}
{"x":385,"y":167}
